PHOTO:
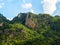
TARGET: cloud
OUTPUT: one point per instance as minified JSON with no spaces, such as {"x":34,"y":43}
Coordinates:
{"x":58,"y":0}
{"x":49,"y":6}
{"x":9,"y":18}
{"x":27,"y":5}
{"x":32,"y":11}
{"x":1,"y":5}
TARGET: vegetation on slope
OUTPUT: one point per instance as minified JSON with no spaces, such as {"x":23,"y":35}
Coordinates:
{"x":20,"y":30}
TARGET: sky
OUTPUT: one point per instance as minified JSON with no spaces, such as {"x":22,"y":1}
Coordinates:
{"x":11,"y":8}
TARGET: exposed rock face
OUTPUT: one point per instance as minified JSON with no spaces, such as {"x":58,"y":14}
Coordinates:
{"x":29,"y":22}
{"x":1,"y":24}
{"x":26,"y":19}
{"x":19,"y":15}
{"x":22,"y":17}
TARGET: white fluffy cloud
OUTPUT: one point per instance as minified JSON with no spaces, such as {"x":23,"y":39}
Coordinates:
{"x":27,"y":5}
{"x":32,"y":11}
{"x":1,"y":5}
{"x":49,"y":6}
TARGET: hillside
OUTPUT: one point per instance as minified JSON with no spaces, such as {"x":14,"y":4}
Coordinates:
{"x":30,"y":29}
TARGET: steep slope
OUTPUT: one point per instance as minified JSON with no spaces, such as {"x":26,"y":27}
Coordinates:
{"x":3,"y":19}
{"x":20,"y":18}
{"x":3,"y":22}
{"x":24,"y":18}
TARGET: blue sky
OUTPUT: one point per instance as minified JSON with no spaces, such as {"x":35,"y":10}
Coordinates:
{"x":11,"y":8}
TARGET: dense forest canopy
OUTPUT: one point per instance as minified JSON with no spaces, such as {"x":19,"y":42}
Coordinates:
{"x":30,"y":29}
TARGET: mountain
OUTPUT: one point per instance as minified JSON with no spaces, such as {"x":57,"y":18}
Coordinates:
{"x":31,"y":29}
{"x":35,"y":21}
{"x":3,"y":19}
{"x":3,"y":22}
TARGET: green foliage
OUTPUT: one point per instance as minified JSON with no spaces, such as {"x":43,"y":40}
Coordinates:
{"x":15,"y":32}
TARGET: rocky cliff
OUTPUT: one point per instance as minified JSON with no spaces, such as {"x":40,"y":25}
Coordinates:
{"x":26,"y":19}
{"x":1,"y":24}
{"x":29,"y":22}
